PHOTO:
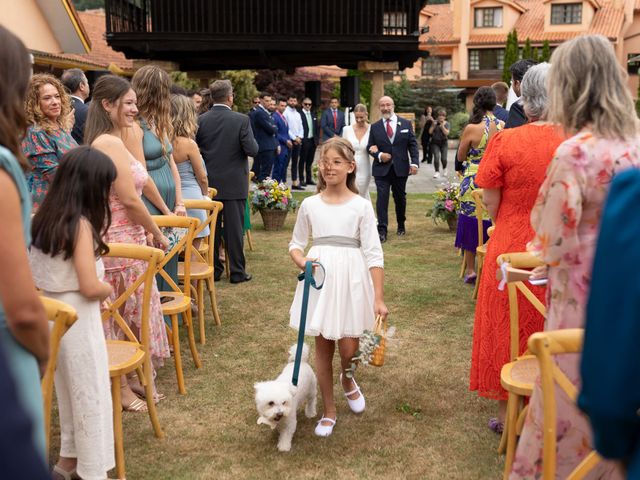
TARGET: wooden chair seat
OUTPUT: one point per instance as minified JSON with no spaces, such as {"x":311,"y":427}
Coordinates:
{"x":177,"y":305}
{"x":519,"y":376}
{"x":124,"y":356}
{"x":199,"y":271}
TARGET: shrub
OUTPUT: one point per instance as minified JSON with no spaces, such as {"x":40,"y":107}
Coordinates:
{"x":457,"y":122}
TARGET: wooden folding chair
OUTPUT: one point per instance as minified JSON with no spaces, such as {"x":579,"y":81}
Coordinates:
{"x":63,"y":317}
{"x":517,"y":376}
{"x":131,"y":354}
{"x":180,"y":300}
{"x":202,"y":269}
{"x":544,"y":345}
{"x":481,"y":249}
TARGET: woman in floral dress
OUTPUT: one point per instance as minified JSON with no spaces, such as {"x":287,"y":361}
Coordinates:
{"x":111,"y":113}
{"x":566,"y":220}
{"x":49,"y":134}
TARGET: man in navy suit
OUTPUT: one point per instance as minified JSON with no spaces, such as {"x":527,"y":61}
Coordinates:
{"x":332,"y":121}
{"x":394,"y":148}
{"x":264,"y":130}
{"x":282,"y":159}
{"x":309,"y":144}
{"x":76,"y":82}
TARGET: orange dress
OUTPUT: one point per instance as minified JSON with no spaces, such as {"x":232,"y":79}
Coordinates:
{"x":516,"y":162}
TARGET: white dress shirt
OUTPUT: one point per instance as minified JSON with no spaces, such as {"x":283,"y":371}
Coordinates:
{"x":294,"y":120}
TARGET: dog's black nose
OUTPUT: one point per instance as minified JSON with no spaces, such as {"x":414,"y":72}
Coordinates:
{"x":278,"y":417}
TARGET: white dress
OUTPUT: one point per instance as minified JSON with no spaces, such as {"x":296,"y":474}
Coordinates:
{"x":363,"y":161}
{"x":82,"y":381}
{"x":344,"y":307}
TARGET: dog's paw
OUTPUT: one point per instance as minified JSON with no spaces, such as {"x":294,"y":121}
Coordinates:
{"x":284,"y":446}
{"x":310,"y":412}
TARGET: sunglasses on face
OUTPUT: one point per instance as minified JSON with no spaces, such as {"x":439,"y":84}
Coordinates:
{"x":306,"y":104}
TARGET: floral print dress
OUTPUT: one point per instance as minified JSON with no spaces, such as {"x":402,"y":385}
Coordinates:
{"x":120,"y":273}
{"x":566,"y":220}
{"x":44,"y":151}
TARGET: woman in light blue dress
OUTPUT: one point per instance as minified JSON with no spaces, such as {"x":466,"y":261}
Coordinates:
{"x":191,"y":167}
{"x":24,"y":330}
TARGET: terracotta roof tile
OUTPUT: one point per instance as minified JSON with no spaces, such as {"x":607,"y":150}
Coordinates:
{"x":440,"y":22}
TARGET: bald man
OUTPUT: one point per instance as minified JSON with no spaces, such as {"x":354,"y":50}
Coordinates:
{"x":394,"y":148}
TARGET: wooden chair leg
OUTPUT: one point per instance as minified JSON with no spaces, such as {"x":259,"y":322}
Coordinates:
{"x":186,"y":317}
{"x":147,"y":370}
{"x":502,"y":448}
{"x":175,"y":330}
{"x":462,"y":265}
{"x":510,"y":426}
{"x":477,"y":285}
{"x":200,"y":293}
{"x":250,"y":240}
{"x":214,"y":303}
{"x":117,"y":426}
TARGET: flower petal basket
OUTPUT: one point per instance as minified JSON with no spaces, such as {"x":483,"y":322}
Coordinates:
{"x":273,"y":200}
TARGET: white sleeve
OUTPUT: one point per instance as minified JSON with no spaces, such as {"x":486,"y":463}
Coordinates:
{"x":301,"y":230}
{"x":369,"y":239}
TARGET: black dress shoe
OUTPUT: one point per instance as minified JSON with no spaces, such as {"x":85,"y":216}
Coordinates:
{"x":297,"y":187}
{"x":246,"y":278}
{"x":401,"y":231}
{"x":383,"y":237}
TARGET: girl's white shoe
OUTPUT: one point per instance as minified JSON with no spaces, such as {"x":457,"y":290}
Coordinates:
{"x":325,"y":430}
{"x":357,"y":405}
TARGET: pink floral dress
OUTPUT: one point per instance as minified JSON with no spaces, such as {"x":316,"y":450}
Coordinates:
{"x":44,"y":151}
{"x":120,"y":273}
{"x":566,"y":220}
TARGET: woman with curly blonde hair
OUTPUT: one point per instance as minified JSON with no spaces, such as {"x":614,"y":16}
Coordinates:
{"x":48,"y":137}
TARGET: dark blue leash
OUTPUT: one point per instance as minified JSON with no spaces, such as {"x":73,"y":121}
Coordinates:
{"x":309,"y":281}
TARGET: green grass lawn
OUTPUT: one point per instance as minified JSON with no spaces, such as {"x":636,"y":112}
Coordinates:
{"x":421,"y":421}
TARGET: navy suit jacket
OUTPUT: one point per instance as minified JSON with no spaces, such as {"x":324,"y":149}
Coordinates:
{"x":80,"y":110}
{"x":327,"y":124}
{"x":283,"y":132}
{"x":264,"y":129}
{"x":404,"y":150}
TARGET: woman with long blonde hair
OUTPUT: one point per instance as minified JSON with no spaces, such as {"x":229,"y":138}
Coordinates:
{"x":590,"y":101}
{"x":48,"y":109}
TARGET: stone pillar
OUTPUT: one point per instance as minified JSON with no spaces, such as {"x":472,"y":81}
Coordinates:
{"x":375,"y":72}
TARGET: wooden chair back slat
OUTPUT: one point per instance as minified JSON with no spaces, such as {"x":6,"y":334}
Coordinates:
{"x":481,"y":211}
{"x":184,"y":244}
{"x":213,"y":209}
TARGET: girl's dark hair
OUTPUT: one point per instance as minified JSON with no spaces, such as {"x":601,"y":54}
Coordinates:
{"x":110,"y":88}
{"x":483,"y":101}
{"x":80,"y":189}
{"x":15,"y":69}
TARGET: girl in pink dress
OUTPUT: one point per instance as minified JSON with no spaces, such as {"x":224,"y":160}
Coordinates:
{"x":566,"y":220}
{"x":111,"y":113}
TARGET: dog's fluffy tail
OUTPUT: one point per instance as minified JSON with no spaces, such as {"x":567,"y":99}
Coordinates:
{"x":305,"y":352}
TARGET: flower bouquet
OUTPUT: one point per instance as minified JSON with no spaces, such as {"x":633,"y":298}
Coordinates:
{"x":446,"y":203}
{"x":273,"y":200}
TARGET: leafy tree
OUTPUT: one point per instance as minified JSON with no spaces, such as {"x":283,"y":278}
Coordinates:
{"x":511,"y":55}
{"x":536,"y":55}
{"x":88,"y":4}
{"x":244,"y":89}
{"x":546,"y":52}
{"x":182,"y":80}
{"x":279,"y":83}
{"x":527,"y":51}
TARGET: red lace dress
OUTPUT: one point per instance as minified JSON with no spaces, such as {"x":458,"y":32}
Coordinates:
{"x":515,"y":162}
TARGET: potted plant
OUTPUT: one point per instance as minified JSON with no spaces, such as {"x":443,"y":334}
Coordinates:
{"x":446,"y":203}
{"x":273,"y":200}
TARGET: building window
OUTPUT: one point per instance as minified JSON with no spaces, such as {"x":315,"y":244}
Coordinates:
{"x":436,"y":66}
{"x":486,"y":59}
{"x":394,"y":23}
{"x":566,"y":14}
{"x":633,"y":63}
{"x":488,"y":17}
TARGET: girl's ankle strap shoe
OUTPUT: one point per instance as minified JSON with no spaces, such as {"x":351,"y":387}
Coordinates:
{"x":325,"y":430}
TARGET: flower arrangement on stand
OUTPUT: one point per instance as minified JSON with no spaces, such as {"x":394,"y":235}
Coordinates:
{"x":273,"y":200}
{"x":446,"y":204}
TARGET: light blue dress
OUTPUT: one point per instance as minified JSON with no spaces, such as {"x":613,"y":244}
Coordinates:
{"x":191,"y":190}
{"x":22,"y":364}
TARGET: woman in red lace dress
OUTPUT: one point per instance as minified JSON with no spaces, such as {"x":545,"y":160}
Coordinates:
{"x":511,"y":173}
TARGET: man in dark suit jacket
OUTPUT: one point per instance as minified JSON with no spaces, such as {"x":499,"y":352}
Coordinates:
{"x":309,"y":144}
{"x":76,"y":82}
{"x":284,"y":142}
{"x":332,"y":121}
{"x":225,"y":140}
{"x":265,"y":130}
{"x":394,"y":147}
{"x":516,"y":112}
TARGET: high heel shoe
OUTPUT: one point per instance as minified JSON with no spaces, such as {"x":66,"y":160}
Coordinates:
{"x":357,"y":405}
{"x":325,"y":430}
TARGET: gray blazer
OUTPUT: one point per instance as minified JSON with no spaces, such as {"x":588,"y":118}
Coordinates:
{"x":225,"y":140}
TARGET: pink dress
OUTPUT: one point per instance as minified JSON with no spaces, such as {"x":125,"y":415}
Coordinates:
{"x":120,"y":273}
{"x":566,"y":220}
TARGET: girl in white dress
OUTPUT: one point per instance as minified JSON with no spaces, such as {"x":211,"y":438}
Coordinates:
{"x":358,"y":135}
{"x":65,"y":261}
{"x":345,"y":240}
